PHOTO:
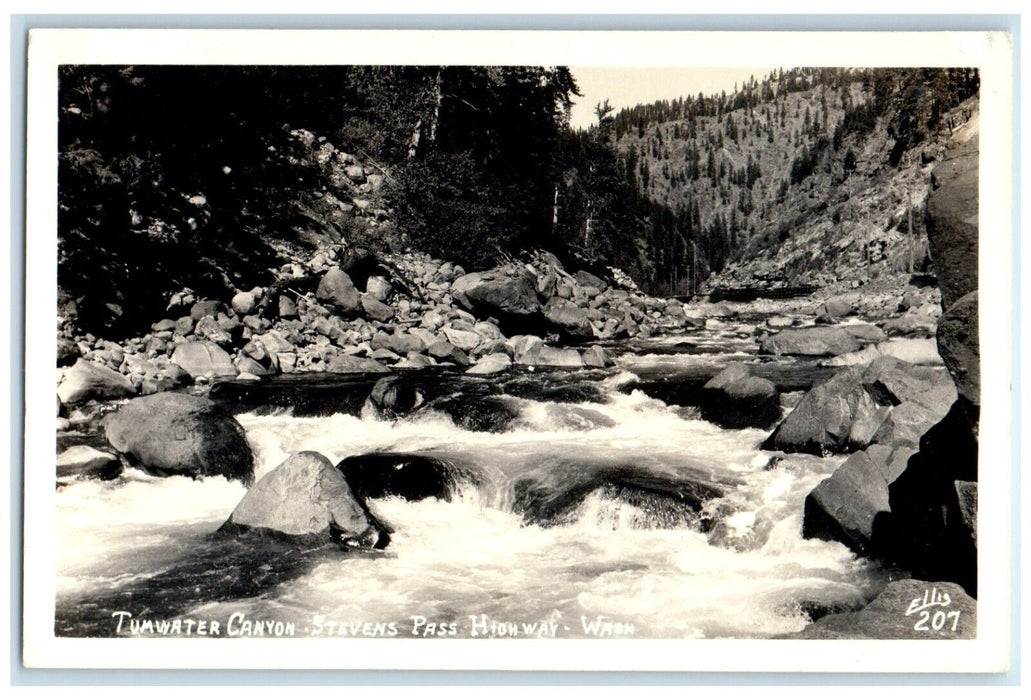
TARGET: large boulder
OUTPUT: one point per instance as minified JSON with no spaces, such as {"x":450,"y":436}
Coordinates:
{"x":497,"y":293}
{"x":906,"y":609}
{"x":959,"y":348}
{"x":822,"y":421}
{"x":844,"y":506}
{"x":591,"y":284}
{"x":244,"y":303}
{"x":208,"y":329}
{"x":489,"y":364}
{"x":910,"y":325}
{"x":736,"y":399}
{"x":308,"y":500}
{"x":928,"y":528}
{"x":570,"y":319}
{"x":462,"y":339}
{"x":400,"y":343}
{"x":848,"y":411}
{"x":67,"y":352}
{"x":952,"y":211}
{"x":378,"y":288}
{"x":203,"y":358}
{"x":838,"y":307}
{"x":86,"y":380}
{"x":893,"y":382}
{"x":918,"y":351}
{"x":813,"y":341}
{"x":336,"y":288}
{"x":169,"y":434}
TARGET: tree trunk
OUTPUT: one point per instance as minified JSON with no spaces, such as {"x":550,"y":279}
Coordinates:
{"x":413,"y":143}
{"x":438,"y":98}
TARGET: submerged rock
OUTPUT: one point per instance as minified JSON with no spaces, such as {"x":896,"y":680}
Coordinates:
{"x":661,"y":500}
{"x":393,"y":397}
{"x":177,"y":434}
{"x":412,"y":477}
{"x":482,"y":414}
{"x":306,"y":498}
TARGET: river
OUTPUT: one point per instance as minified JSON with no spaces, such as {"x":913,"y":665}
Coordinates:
{"x":603,"y":504}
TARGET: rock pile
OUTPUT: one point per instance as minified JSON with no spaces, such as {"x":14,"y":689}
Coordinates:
{"x":348,"y":311}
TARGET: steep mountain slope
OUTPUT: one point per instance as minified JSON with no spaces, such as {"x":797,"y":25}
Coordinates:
{"x":803,"y":178}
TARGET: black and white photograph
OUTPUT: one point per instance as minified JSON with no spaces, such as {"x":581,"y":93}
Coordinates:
{"x":526,"y":343}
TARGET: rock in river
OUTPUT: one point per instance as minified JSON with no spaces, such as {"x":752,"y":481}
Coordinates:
{"x":736,"y":399}
{"x":412,"y":477}
{"x":822,"y":421}
{"x":847,"y":411}
{"x":844,"y":507}
{"x":168,"y":434}
{"x":306,"y":498}
{"x":83,"y":460}
{"x":813,"y":341}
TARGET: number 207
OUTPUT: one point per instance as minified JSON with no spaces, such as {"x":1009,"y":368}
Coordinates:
{"x":937,"y":621}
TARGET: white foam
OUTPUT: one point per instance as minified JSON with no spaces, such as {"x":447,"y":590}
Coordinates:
{"x":475,"y":555}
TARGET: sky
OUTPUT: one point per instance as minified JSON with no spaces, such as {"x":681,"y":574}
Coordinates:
{"x":625,"y":87}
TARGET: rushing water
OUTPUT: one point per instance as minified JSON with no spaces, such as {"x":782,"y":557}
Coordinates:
{"x":540,"y":532}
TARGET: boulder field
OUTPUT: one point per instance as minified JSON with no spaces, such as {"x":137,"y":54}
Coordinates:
{"x":348,"y":311}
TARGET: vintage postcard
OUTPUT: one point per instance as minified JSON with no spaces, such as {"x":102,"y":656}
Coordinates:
{"x":519,"y":350}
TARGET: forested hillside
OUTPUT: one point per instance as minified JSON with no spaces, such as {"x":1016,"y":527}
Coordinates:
{"x":802,"y":176}
{"x":214,"y":178}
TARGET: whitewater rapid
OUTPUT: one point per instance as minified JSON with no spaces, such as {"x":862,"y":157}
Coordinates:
{"x":739,"y":568}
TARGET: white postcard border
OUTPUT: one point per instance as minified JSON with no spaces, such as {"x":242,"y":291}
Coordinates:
{"x":991,"y":52}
